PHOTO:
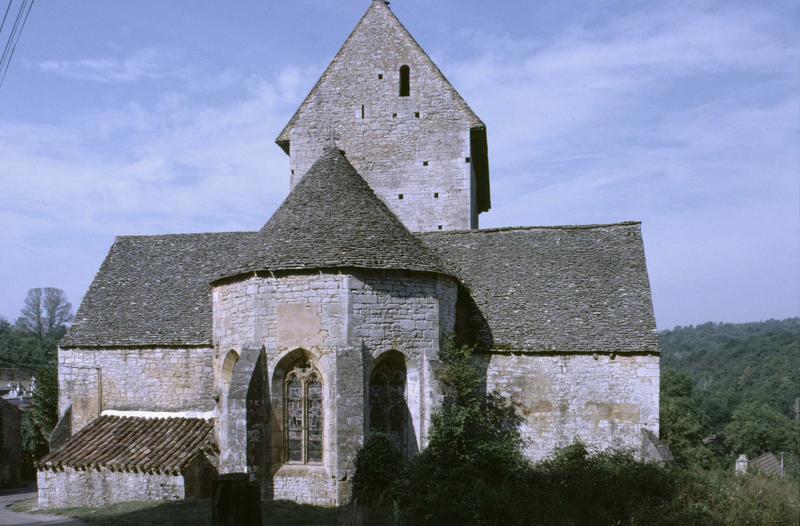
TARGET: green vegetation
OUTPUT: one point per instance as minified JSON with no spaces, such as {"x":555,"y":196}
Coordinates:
{"x":731,"y":364}
{"x":181,"y":513}
{"x":32,"y":343}
{"x":728,"y":389}
{"x":473,"y":472}
{"x":194,"y":513}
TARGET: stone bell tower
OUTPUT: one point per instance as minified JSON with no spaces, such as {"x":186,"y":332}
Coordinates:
{"x":401,"y":124}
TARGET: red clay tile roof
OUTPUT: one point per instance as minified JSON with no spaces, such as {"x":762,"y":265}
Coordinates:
{"x":156,"y":445}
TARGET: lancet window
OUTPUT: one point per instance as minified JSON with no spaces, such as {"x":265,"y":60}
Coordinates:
{"x":303,"y":413}
{"x":387,"y":400}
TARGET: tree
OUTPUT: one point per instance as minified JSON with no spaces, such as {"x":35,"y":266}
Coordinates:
{"x":684,"y":424}
{"x":39,"y":420}
{"x":470,"y":471}
{"x":57,"y":310}
{"x":32,"y":315}
{"x":46,"y":312}
{"x":756,"y":428}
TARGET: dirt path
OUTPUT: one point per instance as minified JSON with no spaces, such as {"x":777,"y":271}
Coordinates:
{"x":10,"y":518}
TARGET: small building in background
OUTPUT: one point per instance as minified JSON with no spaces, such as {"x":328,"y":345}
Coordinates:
{"x":768,"y":464}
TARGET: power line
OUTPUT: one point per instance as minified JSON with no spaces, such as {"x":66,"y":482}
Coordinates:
{"x":19,"y":34}
{"x":5,"y":15}
{"x":13,"y":33}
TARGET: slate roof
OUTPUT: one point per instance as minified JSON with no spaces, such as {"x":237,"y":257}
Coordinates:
{"x":154,"y":290}
{"x":554,"y":289}
{"x":539,"y":289}
{"x":333,"y":219}
{"x":157,"y":445}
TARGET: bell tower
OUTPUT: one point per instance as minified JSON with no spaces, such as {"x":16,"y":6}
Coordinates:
{"x":401,"y":124}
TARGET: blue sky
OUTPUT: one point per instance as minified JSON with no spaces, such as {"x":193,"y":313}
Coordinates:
{"x":154,"y":117}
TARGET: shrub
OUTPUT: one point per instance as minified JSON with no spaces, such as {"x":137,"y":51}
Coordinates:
{"x":473,"y":472}
{"x":379,"y":467}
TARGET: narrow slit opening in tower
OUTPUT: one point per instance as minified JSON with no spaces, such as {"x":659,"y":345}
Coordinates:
{"x":405,"y":81}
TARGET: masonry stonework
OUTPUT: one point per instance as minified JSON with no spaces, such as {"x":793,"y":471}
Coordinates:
{"x":327,"y":323}
{"x":97,"y":488}
{"x":172,"y":380}
{"x":415,"y":151}
{"x":345,"y":323}
{"x":607,"y":402}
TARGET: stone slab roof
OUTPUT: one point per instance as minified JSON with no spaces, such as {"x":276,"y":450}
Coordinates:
{"x":155,"y":445}
{"x":154,"y":290}
{"x":539,"y":289}
{"x":555,"y":289}
{"x":333,"y":219}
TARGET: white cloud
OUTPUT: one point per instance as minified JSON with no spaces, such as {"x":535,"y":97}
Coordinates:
{"x":685,"y":117}
{"x":176,"y":166}
{"x":144,"y":64}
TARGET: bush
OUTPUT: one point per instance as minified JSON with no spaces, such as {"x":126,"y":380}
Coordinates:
{"x":379,"y":467}
{"x":473,"y":472}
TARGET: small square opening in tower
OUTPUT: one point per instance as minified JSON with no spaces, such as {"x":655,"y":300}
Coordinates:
{"x":436,"y":195}
{"x":400,"y":196}
{"x":440,"y":227}
{"x":468,"y":160}
{"x":380,"y":76}
{"x":416,"y":114}
{"x":424,"y":163}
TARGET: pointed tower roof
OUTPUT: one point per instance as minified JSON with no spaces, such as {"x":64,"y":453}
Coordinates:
{"x":376,"y":33}
{"x":333,"y":219}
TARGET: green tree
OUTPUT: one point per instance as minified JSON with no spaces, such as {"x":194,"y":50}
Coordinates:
{"x":684,"y":424}
{"x":38,"y":421}
{"x":756,"y":428}
{"x":466,"y":474}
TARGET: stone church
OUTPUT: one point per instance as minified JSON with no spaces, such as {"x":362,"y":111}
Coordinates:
{"x":274,"y":353}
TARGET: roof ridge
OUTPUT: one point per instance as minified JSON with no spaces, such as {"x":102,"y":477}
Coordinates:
{"x":525,"y":228}
{"x":184,"y":234}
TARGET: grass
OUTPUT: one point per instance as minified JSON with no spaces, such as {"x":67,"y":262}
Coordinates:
{"x":189,"y":513}
{"x":24,"y":506}
{"x":178,"y":513}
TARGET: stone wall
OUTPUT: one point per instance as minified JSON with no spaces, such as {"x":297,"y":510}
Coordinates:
{"x":133,"y":379}
{"x":416,"y":146}
{"x":606,"y":401}
{"x":305,"y":485}
{"x":95,"y":489}
{"x":343,"y":323}
{"x":409,"y":314}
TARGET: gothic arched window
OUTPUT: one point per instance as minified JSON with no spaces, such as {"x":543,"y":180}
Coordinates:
{"x":387,"y":399}
{"x":303,"y":413}
{"x":405,"y":81}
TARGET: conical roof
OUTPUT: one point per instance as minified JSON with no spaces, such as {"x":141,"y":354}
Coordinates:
{"x":333,"y":219}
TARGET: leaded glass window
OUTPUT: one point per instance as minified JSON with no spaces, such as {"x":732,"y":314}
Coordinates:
{"x":303,"y":414}
{"x":387,"y":400}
